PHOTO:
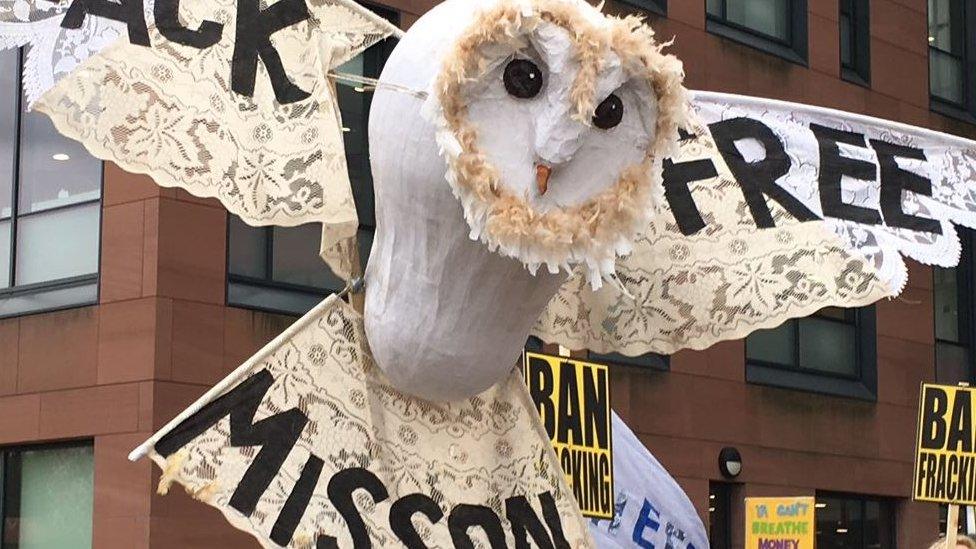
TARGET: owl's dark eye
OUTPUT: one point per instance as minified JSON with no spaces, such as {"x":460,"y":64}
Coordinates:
{"x":609,"y":113}
{"x":523,"y":79}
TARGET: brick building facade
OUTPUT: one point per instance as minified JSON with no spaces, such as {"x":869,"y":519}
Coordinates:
{"x":161,"y":331}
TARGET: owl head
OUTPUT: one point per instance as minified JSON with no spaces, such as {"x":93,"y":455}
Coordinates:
{"x":554,"y":119}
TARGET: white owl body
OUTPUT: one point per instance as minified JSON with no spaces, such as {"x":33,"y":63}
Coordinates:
{"x":446,"y":317}
{"x":532,"y":154}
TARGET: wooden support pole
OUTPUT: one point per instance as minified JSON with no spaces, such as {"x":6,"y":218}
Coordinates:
{"x":952,"y":515}
{"x":357,"y":299}
{"x":952,"y":527}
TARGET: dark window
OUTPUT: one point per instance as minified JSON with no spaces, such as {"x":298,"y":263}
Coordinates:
{"x":278,"y":269}
{"x":720,"y":520}
{"x":855,"y":41}
{"x":776,"y":26}
{"x":855,"y":522}
{"x":831,"y":352}
{"x":534,"y":345}
{"x":653,"y":361}
{"x":953,"y":296}
{"x":50,"y":208}
{"x":659,"y":7}
{"x":944,"y":520}
{"x":952,"y":55}
{"x":650,"y":360}
{"x":48,"y":497}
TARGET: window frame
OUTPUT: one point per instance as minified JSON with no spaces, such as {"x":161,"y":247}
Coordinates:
{"x":966,"y":304}
{"x":50,"y":287}
{"x":5,"y":452}
{"x":863,"y":386}
{"x":648,"y":361}
{"x":657,"y":7}
{"x":795,"y":49}
{"x":891,"y":504}
{"x":966,"y":111}
{"x":238,"y":286}
{"x":859,"y":72}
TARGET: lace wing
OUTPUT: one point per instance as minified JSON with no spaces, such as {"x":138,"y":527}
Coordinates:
{"x":52,"y":49}
{"x":319,"y":374}
{"x":262,"y":135}
{"x":830,"y":240}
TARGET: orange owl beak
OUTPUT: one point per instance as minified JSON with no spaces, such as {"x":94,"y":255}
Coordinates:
{"x":542,"y":173}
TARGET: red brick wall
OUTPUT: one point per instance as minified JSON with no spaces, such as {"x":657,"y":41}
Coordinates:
{"x":162,"y":334}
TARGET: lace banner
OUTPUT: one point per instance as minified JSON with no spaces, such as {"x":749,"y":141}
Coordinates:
{"x":309,"y":446}
{"x":774,"y":211}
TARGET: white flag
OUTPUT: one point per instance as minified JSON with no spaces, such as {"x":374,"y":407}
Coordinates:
{"x":651,"y":510}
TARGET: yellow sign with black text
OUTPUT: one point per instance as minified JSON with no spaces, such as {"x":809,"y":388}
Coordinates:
{"x":780,"y":523}
{"x":573,"y":399}
{"x":945,"y":454}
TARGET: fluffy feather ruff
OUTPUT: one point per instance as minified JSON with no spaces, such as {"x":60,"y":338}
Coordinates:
{"x":596,"y":232}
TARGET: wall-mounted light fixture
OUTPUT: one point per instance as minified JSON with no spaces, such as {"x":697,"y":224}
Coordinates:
{"x":729,"y":462}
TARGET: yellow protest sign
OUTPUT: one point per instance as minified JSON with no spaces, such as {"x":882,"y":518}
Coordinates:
{"x":945,"y":457}
{"x":573,"y":399}
{"x":780,"y":523}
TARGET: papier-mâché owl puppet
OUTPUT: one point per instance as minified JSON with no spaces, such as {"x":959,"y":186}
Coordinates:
{"x":549,"y":122}
{"x":538,"y":169}
{"x":512,"y":142}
